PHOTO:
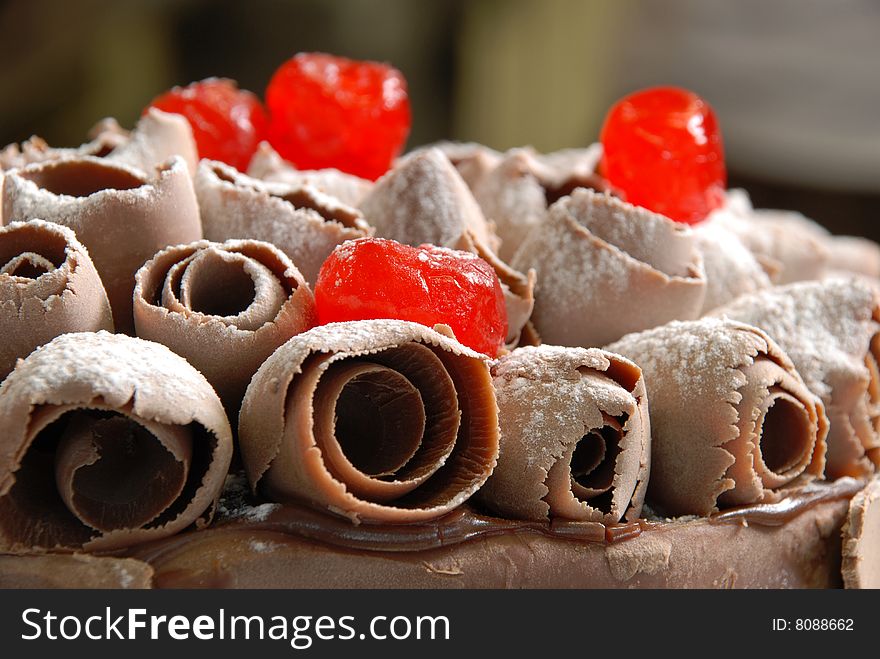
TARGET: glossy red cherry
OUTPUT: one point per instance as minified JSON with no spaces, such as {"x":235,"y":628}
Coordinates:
{"x":663,"y":151}
{"x":327,"y":111}
{"x":228,"y":123}
{"x":379,"y":278}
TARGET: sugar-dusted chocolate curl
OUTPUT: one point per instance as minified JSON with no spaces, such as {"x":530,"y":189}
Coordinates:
{"x":861,"y":538}
{"x":303,"y":222}
{"x":48,"y":286}
{"x":831,"y":331}
{"x":109,"y":441}
{"x":516,"y":193}
{"x":157,"y":136}
{"x":378,"y":420}
{"x":424,"y":200}
{"x":224,"y":307}
{"x":731,"y":269}
{"x":268,"y":166}
{"x":854,"y":254}
{"x":121,"y":216}
{"x":575,"y":436}
{"x":789,"y":246}
{"x":606,"y":268}
{"x":731,"y":419}
{"x":472,"y":160}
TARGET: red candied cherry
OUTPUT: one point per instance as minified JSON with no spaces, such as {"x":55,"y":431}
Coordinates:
{"x":662,"y":149}
{"x":378,"y":278}
{"x":228,"y":123}
{"x":327,"y":111}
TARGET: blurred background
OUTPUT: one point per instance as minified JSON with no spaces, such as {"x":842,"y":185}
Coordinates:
{"x":796,"y":83}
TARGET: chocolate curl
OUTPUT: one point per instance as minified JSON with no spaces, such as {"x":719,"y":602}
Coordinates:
{"x":731,"y":419}
{"x":861,"y":537}
{"x":575,"y":436}
{"x":109,"y":441}
{"x":853,"y":254}
{"x":48,"y":286}
{"x":303,"y":222}
{"x":73,"y":571}
{"x":224,"y":307}
{"x":424,"y":200}
{"x":606,"y":268}
{"x":156,"y":137}
{"x":268,"y":166}
{"x":120,"y":215}
{"x":830,"y":330}
{"x":378,"y":420}
{"x":472,"y":161}
{"x":789,"y":246}
{"x":515,"y":195}
{"x":731,"y":269}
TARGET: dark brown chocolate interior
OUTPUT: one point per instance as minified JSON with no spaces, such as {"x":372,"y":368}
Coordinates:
{"x":31,"y":239}
{"x":379,"y":422}
{"x":553,"y":193}
{"x":302,"y":198}
{"x":81,"y":178}
{"x":227,"y":292}
{"x":785,"y":435}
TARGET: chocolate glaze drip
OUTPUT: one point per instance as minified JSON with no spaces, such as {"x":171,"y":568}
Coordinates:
{"x":466,"y":524}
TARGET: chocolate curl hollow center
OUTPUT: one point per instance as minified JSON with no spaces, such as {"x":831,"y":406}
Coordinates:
{"x":354,"y":397}
{"x":785,"y":435}
{"x":81,"y":178}
{"x":229,"y":285}
{"x":27,"y":266}
{"x":114,"y":472}
{"x":593,"y":460}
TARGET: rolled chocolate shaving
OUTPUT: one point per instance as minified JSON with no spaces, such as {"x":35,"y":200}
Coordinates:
{"x":109,"y":441}
{"x":268,"y":166}
{"x":120,"y":215}
{"x":789,"y":246}
{"x":423,"y":199}
{"x":377,"y":420}
{"x":606,"y":268}
{"x":829,"y":329}
{"x":48,"y":286}
{"x":156,"y":137}
{"x":224,"y":307}
{"x":731,"y":419}
{"x":575,"y":436}
{"x":861,"y":537}
{"x":853,"y":254}
{"x":303,"y":222}
{"x":516,"y":193}
{"x":473,"y":161}
{"x":731,"y":269}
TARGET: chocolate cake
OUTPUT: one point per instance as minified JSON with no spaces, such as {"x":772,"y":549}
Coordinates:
{"x":532,"y":382}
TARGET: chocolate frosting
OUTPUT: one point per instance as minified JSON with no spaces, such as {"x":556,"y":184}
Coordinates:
{"x":121,"y":216}
{"x":48,"y":286}
{"x":108,"y":441}
{"x":731,"y":419}
{"x":606,"y":268}
{"x":303,"y":222}
{"x":829,"y":329}
{"x":575,"y":436}
{"x":428,"y":403}
{"x":224,"y":307}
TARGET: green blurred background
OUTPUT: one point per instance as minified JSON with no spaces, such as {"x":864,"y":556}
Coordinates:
{"x":796,"y":83}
